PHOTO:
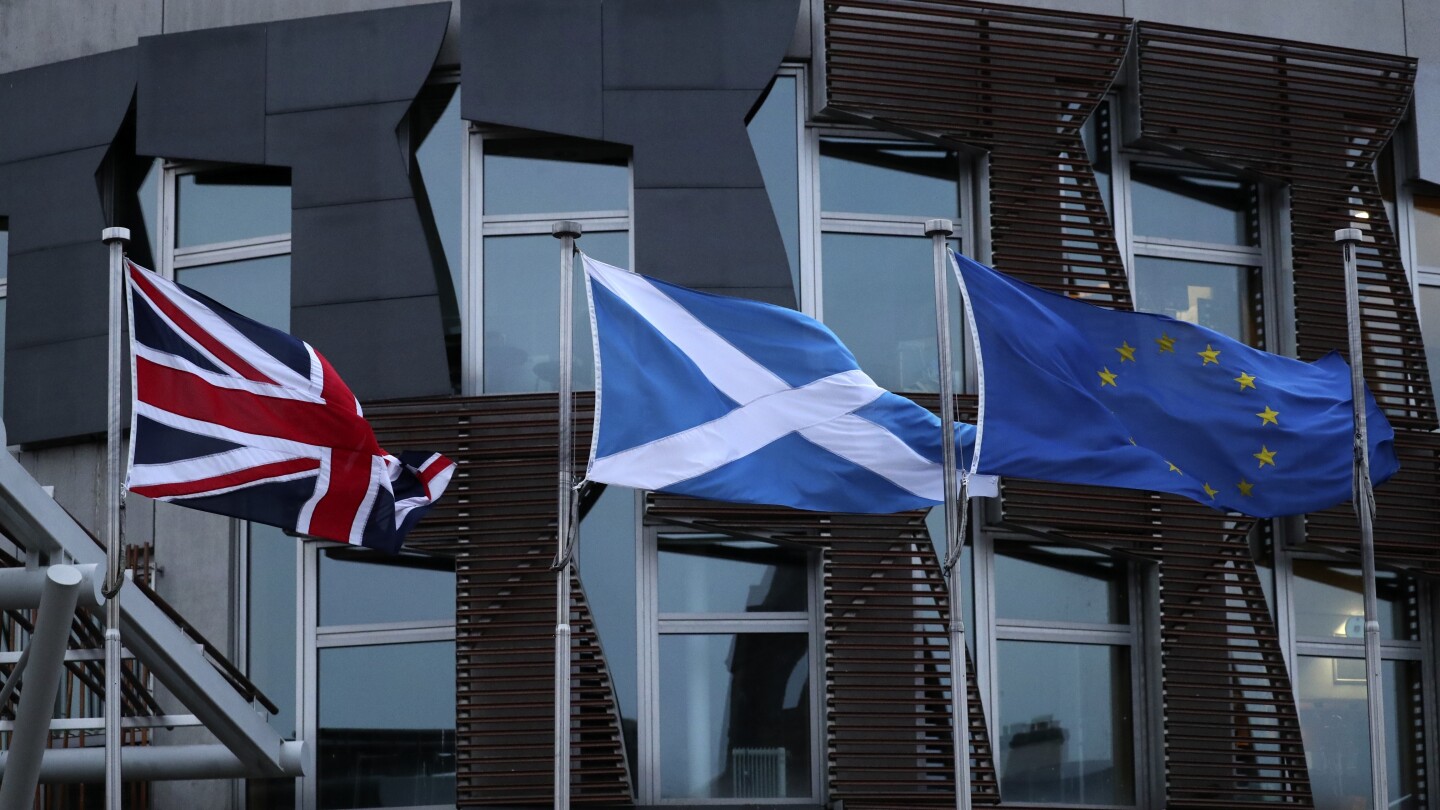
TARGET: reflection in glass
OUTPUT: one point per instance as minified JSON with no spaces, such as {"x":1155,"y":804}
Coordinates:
{"x":1329,"y":605}
{"x":607,"y":565}
{"x":935,"y":525}
{"x":1335,"y":727}
{"x":148,"y":198}
{"x":1059,"y":583}
{"x":522,"y":311}
{"x":271,"y":623}
{"x":861,"y":176}
{"x":259,"y":289}
{"x":734,"y":716}
{"x":4,"y":251}
{"x":1427,"y":231}
{"x":879,"y":298}
{"x":1223,"y":297}
{"x":707,"y":574}
{"x":1193,"y":206}
{"x":439,"y":157}
{"x":1066,"y":732}
{"x":387,"y":726}
{"x":774,"y":135}
{"x":365,"y":588}
{"x":1429,"y":303}
{"x":231,"y":204}
{"x":536,"y":176}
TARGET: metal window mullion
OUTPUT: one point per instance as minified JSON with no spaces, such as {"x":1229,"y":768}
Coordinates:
{"x":702,"y":626}
{"x":224,"y":253}
{"x":165,"y":212}
{"x":1065,"y":636}
{"x":590,"y":219}
{"x":1197,"y":252}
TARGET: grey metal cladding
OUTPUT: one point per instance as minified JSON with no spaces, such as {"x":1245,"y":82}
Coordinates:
{"x":533,"y":64}
{"x":368,"y":330}
{"x":65,"y":106}
{"x":677,"y":81}
{"x":326,"y":97}
{"x":202,"y":95}
{"x":56,"y":126}
{"x":345,"y":60}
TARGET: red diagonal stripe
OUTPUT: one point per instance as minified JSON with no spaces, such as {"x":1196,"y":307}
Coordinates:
{"x":195,"y":331}
{"x":251,"y":475}
{"x":349,"y":484}
{"x":331,"y":425}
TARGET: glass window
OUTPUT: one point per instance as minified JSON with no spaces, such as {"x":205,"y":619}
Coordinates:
{"x":1066,"y":734}
{"x":386,"y":739}
{"x":877,"y":285}
{"x":228,"y":205}
{"x":361,"y":588}
{"x":1427,"y":230}
{"x":1428,"y":303}
{"x":1193,"y":206}
{"x":442,"y":145}
{"x":607,"y":563}
{"x":271,"y":636}
{"x":4,"y":249}
{"x":774,"y":135}
{"x":1225,"y":298}
{"x":1329,"y":604}
{"x":731,"y":668}
{"x":1059,"y":584}
{"x":259,"y":289}
{"x":735,"y":716}
{"x":512,"y":306}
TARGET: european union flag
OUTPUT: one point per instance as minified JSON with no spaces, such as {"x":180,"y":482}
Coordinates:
{"x":1084,"y":395}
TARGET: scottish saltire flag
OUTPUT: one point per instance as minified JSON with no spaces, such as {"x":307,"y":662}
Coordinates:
{"x":234,"y":417}
{"x":1085,"y":395}
{"x":735,"y":400}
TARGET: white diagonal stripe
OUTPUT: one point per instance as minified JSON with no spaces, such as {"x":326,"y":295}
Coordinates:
{"x":864,"y":443}
{"x":690,"y":453}
{"x":202,"y":467}
{"x":731,"y":370}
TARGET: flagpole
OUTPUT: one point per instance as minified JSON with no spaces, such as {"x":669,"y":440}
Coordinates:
{"x":567,"y":232}
{"x":115,"y":239}
{"x":1364,"y":500}
{"x":939,"y":231}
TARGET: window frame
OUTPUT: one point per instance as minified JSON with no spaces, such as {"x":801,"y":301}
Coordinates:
{"x":652,"y":624}
{"x":1140,"y":636}
{"x":171,"y":258}
{"x":312,"y":637}
{"x":478,"y":225}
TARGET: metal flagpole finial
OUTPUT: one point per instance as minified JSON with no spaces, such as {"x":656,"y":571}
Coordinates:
{"x":939,"y":226}
{"x":565,"y":228}
{"x":115,"y":234}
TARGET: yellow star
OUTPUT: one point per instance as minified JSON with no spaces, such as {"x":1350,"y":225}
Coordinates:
{"x":1167,"y":343}
{"x":1127,"y":352}
{"x":1210,"y":356}
{"x":1246,"y":488}
{"x":1107,"y":377}
{"x":1267,"y":417}
{"x":1212,"y":492}
{"x":1174,"y":469}
{"x":1266,"y":456}
{"x":1246,"y":381}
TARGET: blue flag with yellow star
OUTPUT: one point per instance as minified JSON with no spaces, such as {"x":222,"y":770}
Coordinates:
{"x":1080,"y":394}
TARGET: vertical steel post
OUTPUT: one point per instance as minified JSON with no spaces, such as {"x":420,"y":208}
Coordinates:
{"x":115,"y":239}
{"x":939,"y":231}
{"x":1365,"y":507}
{"x":567,"y":232}
{"x":47,"y":646}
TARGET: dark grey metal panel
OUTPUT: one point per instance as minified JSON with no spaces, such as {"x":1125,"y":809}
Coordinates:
{"x":717,"y":239}
{"x":55,"y":390}
{"x":341,"y":155}
{"x":698,"y":44}
{"x":377,"y":360}
{"x":57,"y":295}
{"x":64,"y":106}
{"x":53,"y":199}
{"x":533,"y":64}
{"x":679,"y":80}
{"x":202,"y":95}
{"x":671,"y":124}
{"x":358,"y":252}
{"x":363,"y":58}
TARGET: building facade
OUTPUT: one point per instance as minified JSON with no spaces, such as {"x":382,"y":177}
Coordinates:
{"x":381,"y":179}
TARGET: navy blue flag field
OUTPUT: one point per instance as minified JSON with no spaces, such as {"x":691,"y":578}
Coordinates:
{"x":1079,"y":394}
{"x":735,"y":400}
{"x":234,"y":417}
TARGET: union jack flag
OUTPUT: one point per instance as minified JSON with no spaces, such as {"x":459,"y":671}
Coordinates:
{"x":235,"y":417}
